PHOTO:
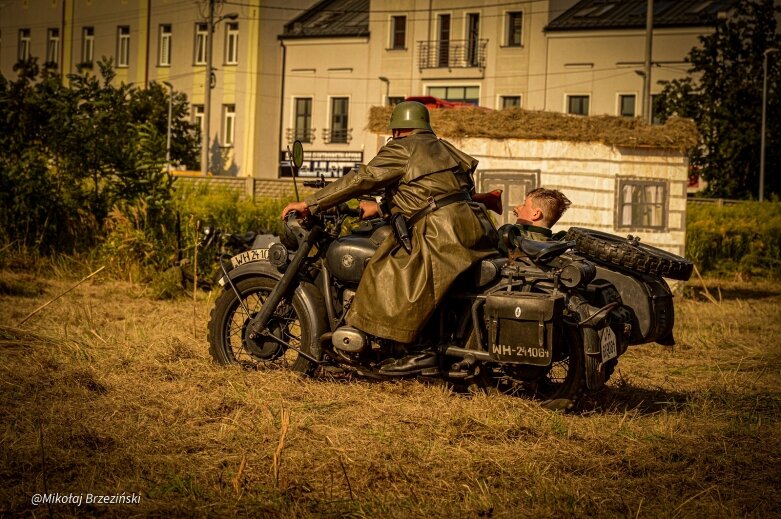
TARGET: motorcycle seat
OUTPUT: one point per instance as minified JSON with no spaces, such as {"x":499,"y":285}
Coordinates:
{"x":544,"y":251}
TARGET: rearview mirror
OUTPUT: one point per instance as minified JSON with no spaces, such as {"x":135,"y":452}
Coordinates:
{"x":298,"y":154}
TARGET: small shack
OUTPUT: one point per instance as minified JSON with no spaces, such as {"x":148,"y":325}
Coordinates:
{"x":623,"y":176}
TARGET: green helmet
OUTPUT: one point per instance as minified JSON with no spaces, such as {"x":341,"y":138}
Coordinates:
{"x":410,"y":114}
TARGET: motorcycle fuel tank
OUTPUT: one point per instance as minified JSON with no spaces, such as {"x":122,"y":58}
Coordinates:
{"x":347,"y":257}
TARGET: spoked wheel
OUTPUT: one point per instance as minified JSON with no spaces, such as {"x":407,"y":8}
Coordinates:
{"x":292,"y":322}
{"x":563,"y":380}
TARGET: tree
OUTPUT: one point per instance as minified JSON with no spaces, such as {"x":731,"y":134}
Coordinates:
{"x":69,"y":154}
{"x":723,"y":95}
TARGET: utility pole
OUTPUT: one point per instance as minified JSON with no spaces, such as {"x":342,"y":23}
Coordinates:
{"x":764,"y":119}
{"x":168,"y":133}
{"x":207,"y":88}
{"x":649,"y":31}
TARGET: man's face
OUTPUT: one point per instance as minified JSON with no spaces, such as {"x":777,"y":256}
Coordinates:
{"x":526,"y":212}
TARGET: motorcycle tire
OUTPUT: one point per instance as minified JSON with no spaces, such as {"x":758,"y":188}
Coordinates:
{"x":564,"y":380}
{"x":610,"y":249}
{"x":293,"y":321}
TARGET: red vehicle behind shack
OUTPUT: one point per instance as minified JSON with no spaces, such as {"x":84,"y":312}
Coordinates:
{"x":435,"y":102}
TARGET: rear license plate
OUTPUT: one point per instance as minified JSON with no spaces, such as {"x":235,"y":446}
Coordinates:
{"x":534,"y":355}
{"x":249,"y":256}
{"x":608,"y":343}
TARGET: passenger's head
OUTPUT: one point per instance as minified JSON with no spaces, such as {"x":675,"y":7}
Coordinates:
{"x":409,"y":115}
{"x":542,"y":207}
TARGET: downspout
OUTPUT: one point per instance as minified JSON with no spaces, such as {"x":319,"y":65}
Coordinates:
{"x":282,"y":99}
{"x":148,"y":36}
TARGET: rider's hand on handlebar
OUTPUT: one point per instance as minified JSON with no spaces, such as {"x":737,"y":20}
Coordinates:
{"x":300,"y":207}
{"x":369,"y":209}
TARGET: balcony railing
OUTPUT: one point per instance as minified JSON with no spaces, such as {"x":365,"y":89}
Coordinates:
{"x":337,"y":136}
{"x":452,"y":54}
{"x":305,"y":135}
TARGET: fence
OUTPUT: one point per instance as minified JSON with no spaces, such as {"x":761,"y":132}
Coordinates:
{"x":250,"y":187}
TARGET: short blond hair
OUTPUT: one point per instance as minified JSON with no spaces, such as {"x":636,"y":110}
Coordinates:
{"x":552,"y":202}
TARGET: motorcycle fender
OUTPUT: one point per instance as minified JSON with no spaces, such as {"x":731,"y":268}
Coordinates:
{"x":651,"y":302}
{"x":255,"y":268}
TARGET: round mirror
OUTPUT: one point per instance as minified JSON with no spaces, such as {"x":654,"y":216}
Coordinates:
{"x":298,"y":154}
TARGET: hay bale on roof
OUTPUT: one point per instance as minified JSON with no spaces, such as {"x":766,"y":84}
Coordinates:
{"x":516,"y":123}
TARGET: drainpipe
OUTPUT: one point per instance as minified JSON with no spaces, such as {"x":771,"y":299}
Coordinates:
{"x":282,"y":98}
{"x":148,"y":36}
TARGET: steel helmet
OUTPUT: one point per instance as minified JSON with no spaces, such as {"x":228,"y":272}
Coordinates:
{"x":410,"y":114}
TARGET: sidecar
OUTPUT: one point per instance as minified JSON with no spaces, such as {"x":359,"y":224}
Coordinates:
{"x":637,"y":271}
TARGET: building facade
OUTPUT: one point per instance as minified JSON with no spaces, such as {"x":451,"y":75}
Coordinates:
{"x":167,"y":41}
{"x":306,"y":70}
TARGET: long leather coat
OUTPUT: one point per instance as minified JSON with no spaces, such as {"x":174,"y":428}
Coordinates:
{"x":399,"y":291}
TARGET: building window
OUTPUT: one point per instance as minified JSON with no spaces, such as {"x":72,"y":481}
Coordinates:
{"x":470,"y":94}
{"x":514,"y":183}
{"x":198,"y":117}
{"x":339,"y":116}
{"x":303,"y":122}
{"x":232,"y":43}
{"x":514,"y":29}
{"x":228,"y":124}
{"x":123,"y":46}
{"x":510,"y":102}
{"x":87,"y":45}
{"x":394,"y":100}
{"x":164,"y":58}
{"x":398,"y":32}
{"x":201,"y":39}
{"x":53,"y":46}
{"x":577,"y":105}
{"x":642,"y":203}
{"x":626,"y":105}
{"x":24,"y":44}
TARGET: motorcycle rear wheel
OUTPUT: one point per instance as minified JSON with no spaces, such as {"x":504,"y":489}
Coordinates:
{"x":292,"y":322}
{"x":563,"y":380}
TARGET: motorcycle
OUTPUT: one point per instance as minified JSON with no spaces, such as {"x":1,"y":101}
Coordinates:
{"x":548,"y":320}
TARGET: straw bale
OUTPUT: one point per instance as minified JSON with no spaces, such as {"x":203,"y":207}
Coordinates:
{"x":516,"y":123}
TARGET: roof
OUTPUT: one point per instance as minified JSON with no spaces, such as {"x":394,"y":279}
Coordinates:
{"x":330,"y":18}
{"x":631,"y":14}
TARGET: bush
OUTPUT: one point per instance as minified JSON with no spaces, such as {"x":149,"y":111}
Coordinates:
{"x":742,"y":239}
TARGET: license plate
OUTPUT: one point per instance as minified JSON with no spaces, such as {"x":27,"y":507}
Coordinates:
{"x":249,"y":256}
{"x":533,"y":355}
{"x":608,"y":343}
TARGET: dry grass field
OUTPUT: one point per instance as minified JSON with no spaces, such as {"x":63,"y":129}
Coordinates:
{"x":107,"y":391}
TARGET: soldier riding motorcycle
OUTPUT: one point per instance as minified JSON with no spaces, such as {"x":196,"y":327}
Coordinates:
{"x":547,"y":322}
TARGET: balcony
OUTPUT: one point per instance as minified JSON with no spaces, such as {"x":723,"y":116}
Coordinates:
{"x":305,"y":135}
{"x":337,"y":135}
{"x":460,"y":55}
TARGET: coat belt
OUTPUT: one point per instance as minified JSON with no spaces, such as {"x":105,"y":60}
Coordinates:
{"x":436,"y":203}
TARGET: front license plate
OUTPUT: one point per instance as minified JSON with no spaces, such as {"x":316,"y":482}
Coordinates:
{"x":608,"y":343}
{"x":249,"y":256}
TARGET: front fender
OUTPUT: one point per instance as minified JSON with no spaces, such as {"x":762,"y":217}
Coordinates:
{"x":255,"y":268}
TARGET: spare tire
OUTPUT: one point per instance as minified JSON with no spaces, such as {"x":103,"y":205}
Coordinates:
{"x":629,"y":253}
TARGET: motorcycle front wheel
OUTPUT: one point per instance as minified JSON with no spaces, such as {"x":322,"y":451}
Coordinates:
{"x":292,"y":322}
{"x":563,"y":380}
